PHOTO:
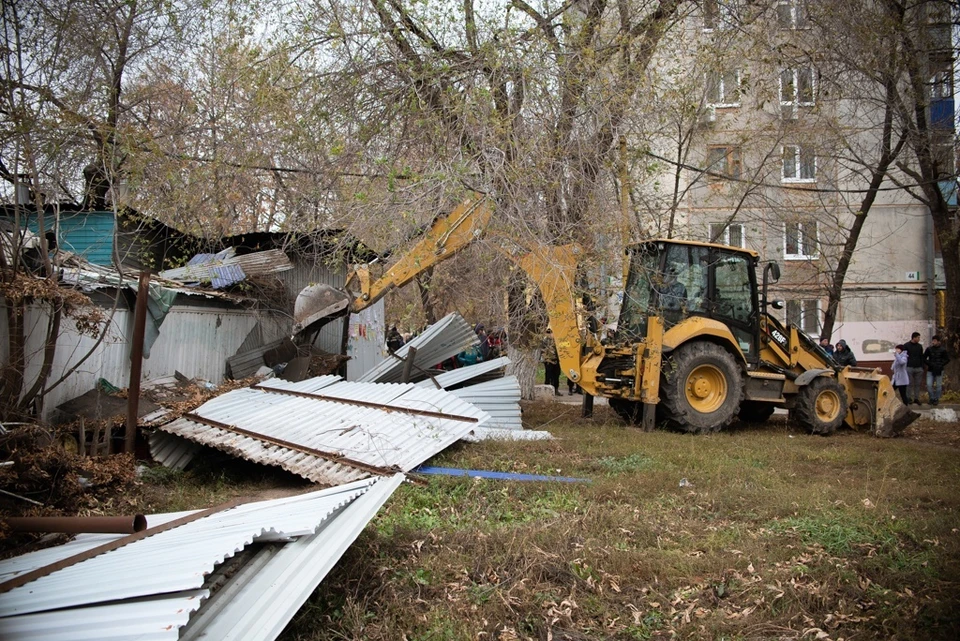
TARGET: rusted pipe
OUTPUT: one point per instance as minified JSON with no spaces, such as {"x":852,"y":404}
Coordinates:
{"x":79,"y":524}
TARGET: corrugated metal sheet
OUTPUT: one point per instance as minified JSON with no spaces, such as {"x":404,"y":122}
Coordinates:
{"x":270,"y":261}
{"x":154,"y":584}
{"x":464,"y":374}
{"x":156,"y":619}
{"x":257,"y":607}
{"x":500,"y":398}
{"x":172,"y":451}
{"x":244,"y":364}
{"x":444,"y":339}
{"x":329,"y":430}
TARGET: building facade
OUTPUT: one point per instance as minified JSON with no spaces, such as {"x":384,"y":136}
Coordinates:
{"x":787,"y":135}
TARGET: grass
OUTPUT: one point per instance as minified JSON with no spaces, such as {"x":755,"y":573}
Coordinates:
{"x":777,"y":535}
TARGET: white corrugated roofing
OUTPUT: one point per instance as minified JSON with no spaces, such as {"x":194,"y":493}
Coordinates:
{"x":500,"y":398}
{"x":180,"y":557}
{"x":464,"y":374}
{"x":444,"y":339}
{"x":154,"y":584}
{"x":329,"y":430}
{"x":172,"y":451}
{"x":156,"y":619}
{"x":257,"y":606}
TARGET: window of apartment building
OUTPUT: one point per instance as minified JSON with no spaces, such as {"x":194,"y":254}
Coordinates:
{"x":799,"y":163}
{"x":941,"y":83}
{"x":800,"y":240}
{"x":797,"y":89}
{"x":723,"y":162}
{"x":805,"y":314}
{"x":723,"y":88}
{"x":720,"y":14}
{"x":792,"y":14}
{"x":727,"y":234}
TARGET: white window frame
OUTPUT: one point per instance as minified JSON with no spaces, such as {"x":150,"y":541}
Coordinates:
{"x":789,"y":107}
{"x":799,"y":155}
{"x":724,"y":237}
{"x":798,"y":9}
{"x":802,"y":231}
{"x":719,"y":79}
{"x":805,"y":314}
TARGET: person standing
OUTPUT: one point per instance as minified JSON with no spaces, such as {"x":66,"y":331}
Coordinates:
{"x":842,"y":355}
{"x":825,"y":345}
{"x":900,"y":377}
{"x":551,"y":363}
{"x":482,"y":337}
{"x":914,"y":352}
{"x":935,"y":358}
{"x":394,"y":339}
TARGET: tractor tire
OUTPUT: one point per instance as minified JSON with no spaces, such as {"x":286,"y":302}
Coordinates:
{"x":629,"y":411}
{"x":700,"y":388}
{"x":821,"y":406}
{"x":755,"y":411}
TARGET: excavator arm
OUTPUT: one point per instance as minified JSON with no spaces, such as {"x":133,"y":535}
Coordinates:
{"x":318,"y":304}
{"x":551,"y":268}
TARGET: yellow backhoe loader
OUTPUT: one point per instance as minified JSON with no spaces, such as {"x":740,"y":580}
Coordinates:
{"x":694,"y":346}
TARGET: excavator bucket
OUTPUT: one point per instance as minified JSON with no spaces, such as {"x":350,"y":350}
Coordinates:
{"x":318,"y":304}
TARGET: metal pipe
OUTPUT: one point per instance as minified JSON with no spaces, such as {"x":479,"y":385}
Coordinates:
{"x":79,"y":524}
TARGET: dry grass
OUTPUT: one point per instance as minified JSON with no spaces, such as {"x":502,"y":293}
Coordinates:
{"x":779,"y":535}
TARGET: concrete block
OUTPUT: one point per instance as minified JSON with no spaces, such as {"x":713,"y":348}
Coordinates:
{"x":944,"y":414}
{"x":543,"y":392}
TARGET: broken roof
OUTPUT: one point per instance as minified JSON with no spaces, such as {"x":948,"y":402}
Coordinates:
{"x":153,"y":582}
{"x":329,"y":430}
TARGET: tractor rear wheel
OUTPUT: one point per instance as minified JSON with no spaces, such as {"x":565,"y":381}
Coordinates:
{"x":755,"y":411}
{"x":700,"y":388}
{"x":821,"y":406}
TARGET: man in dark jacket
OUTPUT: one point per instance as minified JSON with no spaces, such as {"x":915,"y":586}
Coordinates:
{"x":842,"y":356}
{"x":914,"y":351}
{"x":935,"y":358}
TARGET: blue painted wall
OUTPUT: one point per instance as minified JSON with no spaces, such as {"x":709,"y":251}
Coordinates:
{"x":87,"y":233}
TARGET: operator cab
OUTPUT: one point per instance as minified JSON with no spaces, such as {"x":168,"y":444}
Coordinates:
{"x":678,"y":280}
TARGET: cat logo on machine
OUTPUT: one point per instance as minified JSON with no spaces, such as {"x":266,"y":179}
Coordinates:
{"x":779,"y":338}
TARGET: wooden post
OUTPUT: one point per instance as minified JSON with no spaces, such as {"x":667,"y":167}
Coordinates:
{"x":82,"y":440}
{"x":408,"y":364}
{"x":136,"y":361}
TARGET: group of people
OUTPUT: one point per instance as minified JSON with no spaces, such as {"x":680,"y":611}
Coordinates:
{"x":909,"y":362}
{"x":492,"y":345}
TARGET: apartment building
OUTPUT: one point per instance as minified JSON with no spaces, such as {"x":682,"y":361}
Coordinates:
{"x":787,"y":136}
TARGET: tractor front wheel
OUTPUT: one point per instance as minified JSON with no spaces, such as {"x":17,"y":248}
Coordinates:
{"x":821,"y":406}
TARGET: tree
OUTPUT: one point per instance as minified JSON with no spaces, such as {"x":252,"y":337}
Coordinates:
{"x":525,"y":103}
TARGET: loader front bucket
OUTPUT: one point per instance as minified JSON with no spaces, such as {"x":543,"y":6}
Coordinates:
{"x":318,"y":304}
{"x":892,"y":415}
{"x":875,"y":404}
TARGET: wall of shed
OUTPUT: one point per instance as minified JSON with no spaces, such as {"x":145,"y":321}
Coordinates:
{"x":196,"y":338}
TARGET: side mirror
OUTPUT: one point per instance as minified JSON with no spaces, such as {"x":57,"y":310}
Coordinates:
{"x":775,"y":271}
{"x":777,"y":304}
